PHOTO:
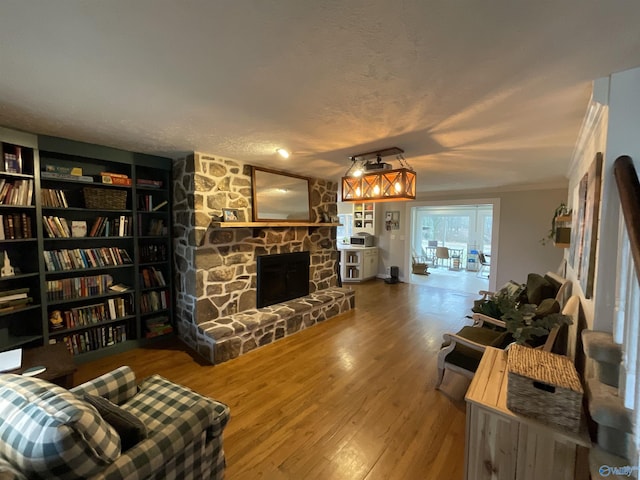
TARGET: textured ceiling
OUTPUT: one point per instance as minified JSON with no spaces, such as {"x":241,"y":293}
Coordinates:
{"x":478,"y":94}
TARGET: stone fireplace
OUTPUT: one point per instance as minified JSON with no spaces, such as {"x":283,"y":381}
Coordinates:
{"x":216,"y":267}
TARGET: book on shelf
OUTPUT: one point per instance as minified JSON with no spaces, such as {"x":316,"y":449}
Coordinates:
{"x":114,"y":174}
{"x":152,"y":277}
{"x":18,"y":192}
{"x":112,"y":180}
{"x":112,"y":309}
{"x":59,"y":260}
{"x":54,"y":198}
{"x":15,"y":226}
{"x":78,"y":287}
{"x":93,"y":339}
{"x":78,"y":228}
{"x":153,"y":253}
{"x":75,"y":171}
{"x":25,"y":220}
{"x":159,"y":206}
{"x":119,"y":287}
{"x":66,"y":176}
{"x":15,"y":304}
{"x":157,"y":227}
{"x":9,"y":230}
{"x":145,"y":182}
{"x":13,"y":161}
{"x":157,"y":326}
{"x":16,"y":293}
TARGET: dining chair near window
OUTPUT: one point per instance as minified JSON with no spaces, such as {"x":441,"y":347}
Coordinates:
{"x":442,"y":253}
{"x":484,"y":263}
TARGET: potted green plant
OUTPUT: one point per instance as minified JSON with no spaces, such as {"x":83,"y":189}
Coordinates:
{"x":560,"y":232}
{"x":523,"y":323}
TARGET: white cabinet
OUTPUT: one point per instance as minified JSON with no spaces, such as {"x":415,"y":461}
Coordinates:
{"x":358,"y":264}
{"x":364,"y":218}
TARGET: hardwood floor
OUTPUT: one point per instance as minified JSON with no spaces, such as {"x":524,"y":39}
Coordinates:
{"x":351,"y":398}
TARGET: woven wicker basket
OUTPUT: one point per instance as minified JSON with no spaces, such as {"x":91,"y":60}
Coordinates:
{"x":105,"y":198}
{"x":544,"y":386}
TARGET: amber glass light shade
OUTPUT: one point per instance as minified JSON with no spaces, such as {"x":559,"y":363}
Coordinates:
{"x":382,"y":186}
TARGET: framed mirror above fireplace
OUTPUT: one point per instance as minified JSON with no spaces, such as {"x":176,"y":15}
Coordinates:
{"x":280,"y":196}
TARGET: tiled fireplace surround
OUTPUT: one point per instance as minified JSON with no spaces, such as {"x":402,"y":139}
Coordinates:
{"x":216,"y":268}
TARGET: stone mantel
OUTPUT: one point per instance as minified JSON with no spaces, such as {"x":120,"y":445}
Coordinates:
{"x":271,"y":224}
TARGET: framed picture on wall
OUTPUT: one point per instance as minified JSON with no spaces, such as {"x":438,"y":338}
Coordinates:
{"x":591,"y":219}
{"x":577,"y":229}
{"x":230,"y":215}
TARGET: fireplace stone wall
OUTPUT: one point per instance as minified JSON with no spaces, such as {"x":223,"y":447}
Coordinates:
{"x":216,"y":268}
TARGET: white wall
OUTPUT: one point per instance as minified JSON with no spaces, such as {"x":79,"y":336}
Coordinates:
{"x":611,"y":126}
{"x":524,"y":217}
{"x":392,"y":244}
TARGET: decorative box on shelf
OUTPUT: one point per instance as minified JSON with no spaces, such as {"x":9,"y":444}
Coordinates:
{"x":544,"y":386}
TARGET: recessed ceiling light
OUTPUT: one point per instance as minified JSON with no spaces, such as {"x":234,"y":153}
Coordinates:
{"x":283,"y":153}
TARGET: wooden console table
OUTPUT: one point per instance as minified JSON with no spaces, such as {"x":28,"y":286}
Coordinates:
{"x":502,"y":445}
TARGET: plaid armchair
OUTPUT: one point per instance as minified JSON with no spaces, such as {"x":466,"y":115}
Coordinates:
{"x":49,"y":432}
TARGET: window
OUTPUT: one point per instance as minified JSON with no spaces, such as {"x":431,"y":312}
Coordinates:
{"x":465,"y":227}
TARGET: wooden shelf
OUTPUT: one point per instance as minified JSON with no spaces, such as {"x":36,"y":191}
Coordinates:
{"x":270,"y":224}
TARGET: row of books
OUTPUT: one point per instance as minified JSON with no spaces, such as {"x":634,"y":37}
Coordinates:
{"x":58,"y":260}
{"x":153,"y":253}
{"x":16,"y":192}
{"x":146,"y":203}
{"x":121,"y":226}
{"x":73,"y":171}
{"x":15,"y":226}
{"x":78,"y":287}
{"x":88,"y":315}
{"x":154,"y":301}
{"x":14,"y":299}
{"x":156,"y":227}
{"x":56,"y":227}
{"x":65,"y":176}
{"x":55,"y":198}
{"x":95,"y":339}
{"x":157,"y":326}
{"x":152,"y":277}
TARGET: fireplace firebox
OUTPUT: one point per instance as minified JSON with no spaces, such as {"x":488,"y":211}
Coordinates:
{"x":282,"y":277}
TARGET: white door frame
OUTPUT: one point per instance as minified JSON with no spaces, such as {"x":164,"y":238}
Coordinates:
{"x":495,"y":229}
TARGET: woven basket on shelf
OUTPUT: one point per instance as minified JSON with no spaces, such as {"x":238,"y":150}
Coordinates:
{"x":544,"y":386}
{"x":105,"y":198}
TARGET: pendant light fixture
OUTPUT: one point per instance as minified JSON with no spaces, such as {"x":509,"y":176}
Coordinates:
{"x":370,"y":179}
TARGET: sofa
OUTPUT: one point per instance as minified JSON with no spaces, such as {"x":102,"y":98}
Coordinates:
{"x":109,"y":428}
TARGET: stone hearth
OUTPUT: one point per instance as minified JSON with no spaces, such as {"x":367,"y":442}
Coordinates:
{"x":231,"y":336}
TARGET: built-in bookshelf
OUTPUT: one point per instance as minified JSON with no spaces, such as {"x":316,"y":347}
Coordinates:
{"x":98,"y":273}
{"x":21,"y":310}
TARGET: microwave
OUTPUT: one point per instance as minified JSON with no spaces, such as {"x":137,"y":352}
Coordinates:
{"x":361,"y":240}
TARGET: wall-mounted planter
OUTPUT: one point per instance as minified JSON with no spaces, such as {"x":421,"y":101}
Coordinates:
{"x":562,"y":231}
